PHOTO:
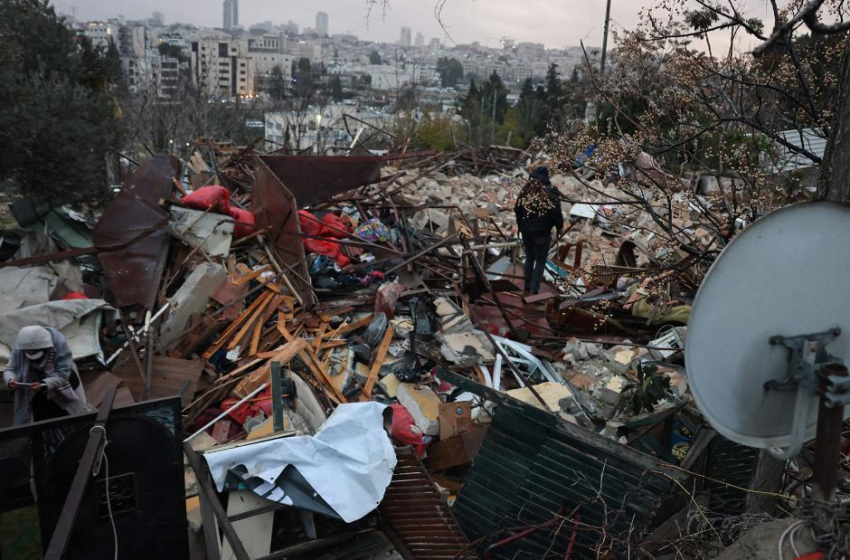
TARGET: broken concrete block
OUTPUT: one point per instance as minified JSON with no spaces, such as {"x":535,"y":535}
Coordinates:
{"x":581,"y":380}
{"x":611,"y":428}
{"x":452,"y":318}
{"x":610,"y":391}
{"x":193,"y":513}
{"x":575,"y":351}
{"x":202,"y":442}
{"x":192,"y":297}
{"x":466,"y":348}
{"x":423,"y":405}
{"x":678,"y":383}
{"x":621,"y":358}
{"x":390,"y":384}
{"x":760,"y":543}
{"x":558,"y":398}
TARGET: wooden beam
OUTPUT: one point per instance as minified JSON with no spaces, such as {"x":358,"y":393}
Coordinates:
{"x":248,"y":277}
{"x":283,"y":356}
{"x":258,"y":312}
{"x":209,"y":497}
{"x":317,"y":340}
{"x":65,"y":525}
{"x":312,"y":362}
{"x":234,"y":326}
{"x":358,"y":324}
{"x":377,"y":362}
{"x":125,"y":325}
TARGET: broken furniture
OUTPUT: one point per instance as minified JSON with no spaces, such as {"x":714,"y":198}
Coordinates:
{"x":121,"y":466}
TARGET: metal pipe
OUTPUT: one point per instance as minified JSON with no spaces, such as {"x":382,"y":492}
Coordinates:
{"x":225,"y":413}
{"x":828,"y":439}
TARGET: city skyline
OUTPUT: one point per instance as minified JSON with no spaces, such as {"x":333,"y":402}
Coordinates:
{"x":485,"y":22}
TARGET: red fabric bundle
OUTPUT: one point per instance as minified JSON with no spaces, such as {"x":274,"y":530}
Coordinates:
{"x":244,"y":222}
{"x":404,"y":429}
{"x":214,"y":197}
{"x":329,"y":248}
{"x":310,"y":225}
{"x":75,"y":295}
{"x":337,"y":226}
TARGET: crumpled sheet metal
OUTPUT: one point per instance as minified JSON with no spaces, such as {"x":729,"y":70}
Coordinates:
{"x":274,"y":207}
{"x":349,"y":462}
{"x":133,"y":273}
{"x":77,"y":319}
{"x":314,"y":179}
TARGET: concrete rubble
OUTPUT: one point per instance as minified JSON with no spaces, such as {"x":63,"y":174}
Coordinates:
{"x":277,"y":304}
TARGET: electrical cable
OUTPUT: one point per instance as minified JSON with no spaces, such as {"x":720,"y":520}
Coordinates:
{"x":109,"y":501}
{"x":106,"y":488}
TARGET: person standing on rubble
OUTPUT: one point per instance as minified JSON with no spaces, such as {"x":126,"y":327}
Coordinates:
{"x":538,"y":210}
{"x":42,"y":377}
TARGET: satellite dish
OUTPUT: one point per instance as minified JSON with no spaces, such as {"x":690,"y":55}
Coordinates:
{"x":772,"y":310}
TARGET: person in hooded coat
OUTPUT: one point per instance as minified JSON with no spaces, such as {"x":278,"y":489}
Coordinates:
{"x":538,"y":210}
{"x":42,"y":377}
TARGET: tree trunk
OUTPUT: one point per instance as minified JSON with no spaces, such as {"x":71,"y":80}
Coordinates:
{"x":834,"y":180}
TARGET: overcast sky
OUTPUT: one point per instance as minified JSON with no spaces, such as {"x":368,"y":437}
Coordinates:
{"x":556,"y":23}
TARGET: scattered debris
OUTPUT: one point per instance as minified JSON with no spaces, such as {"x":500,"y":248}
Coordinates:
{"x":312,"y":312}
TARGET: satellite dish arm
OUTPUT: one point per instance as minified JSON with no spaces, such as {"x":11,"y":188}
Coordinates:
{"x":802,"y":406}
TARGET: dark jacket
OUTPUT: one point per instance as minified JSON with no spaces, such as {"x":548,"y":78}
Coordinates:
{"x":537,"y":224}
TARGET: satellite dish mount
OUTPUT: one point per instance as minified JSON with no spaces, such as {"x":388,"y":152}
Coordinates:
{"x":812,"y":371}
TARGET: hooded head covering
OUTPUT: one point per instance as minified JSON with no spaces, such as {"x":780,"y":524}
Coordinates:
{"x":34,"y":338}
{"x":541,"y":174}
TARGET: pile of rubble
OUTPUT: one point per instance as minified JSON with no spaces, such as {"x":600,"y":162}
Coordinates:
{"x":292,"y":302}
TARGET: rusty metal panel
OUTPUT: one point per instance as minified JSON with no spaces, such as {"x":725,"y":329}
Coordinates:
{"x":421,"y":523}
{"x":133,"y":273}
{"x":314,"y":179}
{"x":275,"y":207}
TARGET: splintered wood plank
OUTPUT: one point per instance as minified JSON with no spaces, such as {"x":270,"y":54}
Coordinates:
{"x":316,"y":368}
{"x":264,"y":299}
{"x":248,"y":277}
{"x":376,"y":363}
{"x":333,"y":344}
{"x":317,"y":341}
{"x":234,"y":326}
{"x":258,"y":329}
{"x":314,"y":365}
{"x":168,"y":376}
{"x":260,"y":376}
{"x":350,"y":327}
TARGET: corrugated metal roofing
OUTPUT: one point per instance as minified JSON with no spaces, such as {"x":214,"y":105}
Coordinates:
{"x":788,"y":160}
{"x":417,"y":514}
{"x":732,"y":463}
{"x":532,"y":464}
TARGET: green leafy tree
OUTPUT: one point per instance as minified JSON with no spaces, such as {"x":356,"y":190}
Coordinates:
{"x":494,"y":94}
{"x":303,"y":72}
{"x":59,"y":116}
{"x":277,"y":83}
{"x":375,"y":58}
{"x":529,"y":114}
{"x":450,"y":71}
{"x":470,"y":110}
{"x":435,"y":132}
{"x":336,"y":89}
{"x":554,"y":91}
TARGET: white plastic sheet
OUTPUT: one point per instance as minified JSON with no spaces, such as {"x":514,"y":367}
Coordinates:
{"x":349,"y":462}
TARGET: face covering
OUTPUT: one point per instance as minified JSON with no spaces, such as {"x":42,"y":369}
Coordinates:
{"x":35,"y":355}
